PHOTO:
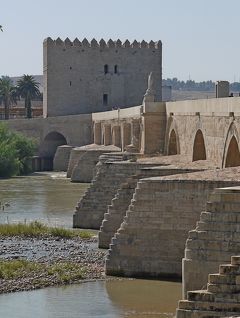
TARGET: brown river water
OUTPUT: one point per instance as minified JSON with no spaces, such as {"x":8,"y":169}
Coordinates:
{"x":51,"y":198}
{"x":47,"y":197}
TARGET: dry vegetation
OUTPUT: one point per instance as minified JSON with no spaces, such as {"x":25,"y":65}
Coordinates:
{"x":37,"y":229}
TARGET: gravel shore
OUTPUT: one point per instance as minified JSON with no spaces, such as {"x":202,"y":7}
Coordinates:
{"x":47,"y":251}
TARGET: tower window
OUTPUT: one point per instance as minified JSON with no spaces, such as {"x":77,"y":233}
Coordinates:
{"x":70,"y":83}
{"x":115,"y":69}
{"x":105,"y":99}
{"x":105,"y":69}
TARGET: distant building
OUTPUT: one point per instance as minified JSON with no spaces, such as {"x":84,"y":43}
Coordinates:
{"x":222,"y":89}
{"x":19,"y":111}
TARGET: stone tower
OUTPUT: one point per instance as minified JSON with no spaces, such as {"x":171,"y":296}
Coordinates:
{"x":83,"y":77}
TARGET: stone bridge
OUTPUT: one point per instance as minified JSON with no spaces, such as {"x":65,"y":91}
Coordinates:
{"x":145,"y":209}
{"x":202,"y":129}
{"x":52,"y":132}
{"x":205,"y":130}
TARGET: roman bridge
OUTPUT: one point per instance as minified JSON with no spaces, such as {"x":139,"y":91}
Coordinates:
{"x":200,"y":129}
{"x":52,"y":132}
{"x":118,"y":127}
{"x":149,"y":206}
{"x":205,"y":130}
{"x":146,"y":208}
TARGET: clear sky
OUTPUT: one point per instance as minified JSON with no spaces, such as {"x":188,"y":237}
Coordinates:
{"x":200,"y":37}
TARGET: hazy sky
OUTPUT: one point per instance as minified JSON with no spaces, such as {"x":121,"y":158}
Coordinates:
{"x":200,"y":37}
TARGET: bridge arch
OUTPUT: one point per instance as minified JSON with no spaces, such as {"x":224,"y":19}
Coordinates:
{"x":231,"y":155}
{"x":199,"y":150}
{"x":50,"y":143}
{"x":172,"y":143}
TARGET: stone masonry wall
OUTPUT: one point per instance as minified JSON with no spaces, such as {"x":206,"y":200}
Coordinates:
{"x":217,"y":119}
{"x":151,"y":239}
{"x":91,"y":208}
{"x":214,"y":240}
{"x":214,"y":131}
{"x":116,"y":211}
{"x":76,"y":129}
{"x":221,"y":298}
{"x":61,"y":158}
{"x":83,"y":160}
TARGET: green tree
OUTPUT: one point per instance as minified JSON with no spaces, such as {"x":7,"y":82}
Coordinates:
{"x":25,"y":148}
{"x":9,"y":163}
{"x":15,"y":153}
{"x":28,"y":89}
{"x":8,"y":94}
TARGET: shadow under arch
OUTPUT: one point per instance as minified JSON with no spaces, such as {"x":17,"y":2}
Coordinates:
{"x":107,"y":135}
{"x":228,"y":159}
{"x":49,"y":146}
{"x":173,"y":145}
{"x":199,"y":150}
{"x":233,"y":154}
{"x":172,"y":142}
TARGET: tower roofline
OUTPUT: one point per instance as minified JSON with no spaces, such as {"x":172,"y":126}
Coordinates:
{"x":103,"y":44}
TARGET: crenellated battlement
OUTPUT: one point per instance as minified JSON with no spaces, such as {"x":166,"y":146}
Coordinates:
{"x":103,"y":44}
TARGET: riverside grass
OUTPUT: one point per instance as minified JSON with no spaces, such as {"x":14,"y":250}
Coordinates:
{"x":38,"y":229}
{"x":63,"y":272}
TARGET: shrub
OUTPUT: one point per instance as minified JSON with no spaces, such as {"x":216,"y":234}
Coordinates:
{"x":9,"y":163}
{"x":15,"y":153}
{"x":25,"y":149}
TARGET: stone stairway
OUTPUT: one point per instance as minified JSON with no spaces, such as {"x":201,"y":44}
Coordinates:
{"x":215,"y":239}
{"x":111,"y":157}
{"x":116,"y":211}
{"x":140,"y":247}
{"x":150,"y":241}
{"x":110,"y":175}
{"x":220,"y":299}
{"x":119,"y":204}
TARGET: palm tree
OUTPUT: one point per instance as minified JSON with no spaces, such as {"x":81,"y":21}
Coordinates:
{"x":28,"y":89}
{"x":8,"y":94}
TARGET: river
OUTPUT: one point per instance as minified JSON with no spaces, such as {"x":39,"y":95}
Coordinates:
{"x":47,"y":197}
{"x":51,"y":198}
{"x":112,"y":299}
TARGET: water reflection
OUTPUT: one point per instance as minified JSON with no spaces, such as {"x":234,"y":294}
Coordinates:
{"x":145,"y":298}
{"x":114,"y":299}
{"x":48,"y":197}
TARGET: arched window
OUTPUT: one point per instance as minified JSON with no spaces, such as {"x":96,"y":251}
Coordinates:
{"x":233,"y":155}
{"x":172,"y":145}
{"x":115,"y":69}
{"x":199,"y":151}
{"x":105,"y":69}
